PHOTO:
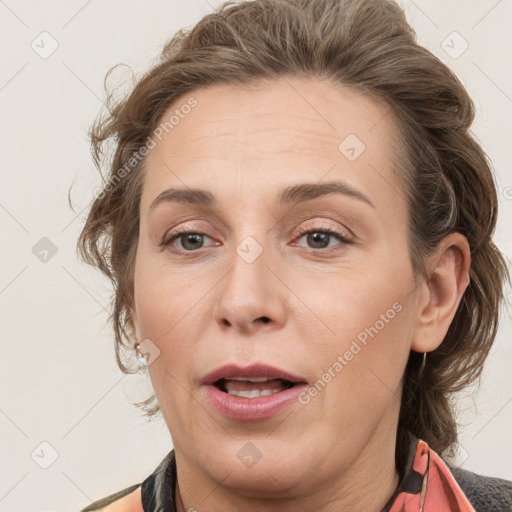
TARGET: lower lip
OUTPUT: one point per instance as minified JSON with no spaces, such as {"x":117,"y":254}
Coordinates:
{"x":250,"y":409}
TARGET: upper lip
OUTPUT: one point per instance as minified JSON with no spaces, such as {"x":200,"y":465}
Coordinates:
{"x":230,"y":371}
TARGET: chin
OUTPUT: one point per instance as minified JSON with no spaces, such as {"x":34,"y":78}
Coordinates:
{"x":249,"y":468}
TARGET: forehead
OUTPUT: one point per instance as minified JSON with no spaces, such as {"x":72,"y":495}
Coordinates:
{"x":312,"y":108}
{"x":279,"y":130}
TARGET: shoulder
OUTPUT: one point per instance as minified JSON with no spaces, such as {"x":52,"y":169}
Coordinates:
{"x":157,"y":488}
{"x":127,"y":500}
{"x":486,"y":494}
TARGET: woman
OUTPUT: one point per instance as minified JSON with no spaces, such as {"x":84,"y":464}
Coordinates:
{"x":298,"y":225}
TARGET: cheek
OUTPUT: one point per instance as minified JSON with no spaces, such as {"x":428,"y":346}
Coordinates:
{"x":167,"y":300}
{"x":172,"y":314}
{"x":174,"y":321}
{"x":175,"y":325}
{"x":370,"y":321}
{"x":362,"y":305}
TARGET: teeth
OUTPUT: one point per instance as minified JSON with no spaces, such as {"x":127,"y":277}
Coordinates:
{"x":255,"y":393}
{"x":251,"y":379}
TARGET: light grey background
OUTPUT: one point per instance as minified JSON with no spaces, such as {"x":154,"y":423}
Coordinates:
{"x":59,"y":381}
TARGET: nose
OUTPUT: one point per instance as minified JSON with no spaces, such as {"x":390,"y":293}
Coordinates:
{"x":252,"y":297}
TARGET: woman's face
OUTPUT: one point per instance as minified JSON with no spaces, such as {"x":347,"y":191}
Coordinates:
{"x":276,"y":272}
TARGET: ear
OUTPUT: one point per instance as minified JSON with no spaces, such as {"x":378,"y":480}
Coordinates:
{"x":441,"y":292}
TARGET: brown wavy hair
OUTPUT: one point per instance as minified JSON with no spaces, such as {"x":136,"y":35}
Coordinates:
{"x":367,"y":45}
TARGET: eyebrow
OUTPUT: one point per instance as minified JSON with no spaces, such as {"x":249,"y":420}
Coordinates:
{"x":289,"y":195}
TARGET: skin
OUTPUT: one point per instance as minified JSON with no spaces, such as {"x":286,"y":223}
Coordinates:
{"x":203,"y":307}
{"x":131,"y":502}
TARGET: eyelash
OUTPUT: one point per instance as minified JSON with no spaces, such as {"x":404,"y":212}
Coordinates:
{"x":167,"y":241}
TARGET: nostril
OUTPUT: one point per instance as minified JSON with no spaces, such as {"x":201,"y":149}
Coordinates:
{"x":265,"y":319}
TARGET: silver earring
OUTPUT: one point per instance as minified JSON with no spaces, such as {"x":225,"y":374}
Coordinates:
{"x":146,"y":352}
{"x":422,"y":367}
{"x":140,"y":357}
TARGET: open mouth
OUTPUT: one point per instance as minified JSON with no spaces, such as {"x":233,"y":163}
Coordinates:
{"x":253,"y":387}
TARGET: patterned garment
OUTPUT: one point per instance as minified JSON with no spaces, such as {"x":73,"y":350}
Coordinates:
{"x":428,"y":486}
